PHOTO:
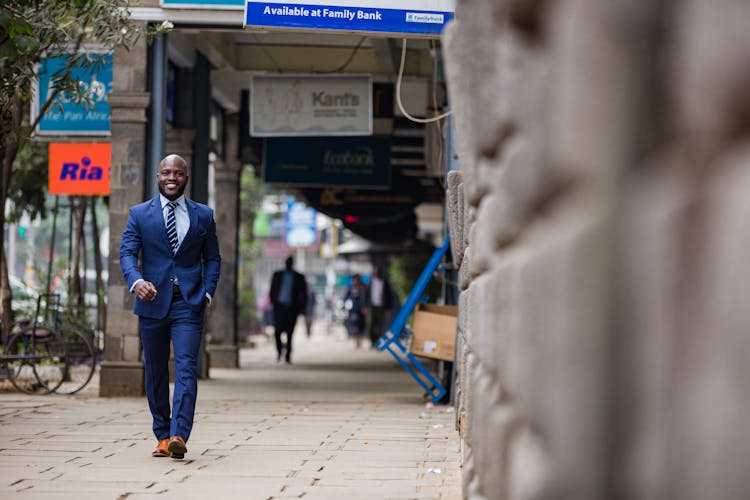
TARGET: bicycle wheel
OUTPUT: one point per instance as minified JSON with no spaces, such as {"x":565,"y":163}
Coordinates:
{"x":80,"y":358}
{"x":35,"y":360}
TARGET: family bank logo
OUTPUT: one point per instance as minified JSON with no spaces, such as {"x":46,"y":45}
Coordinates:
{"x":79,"y":168}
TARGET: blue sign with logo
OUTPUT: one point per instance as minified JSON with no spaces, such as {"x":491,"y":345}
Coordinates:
{"x":328,"y":161}
{"x":66,"y":117}
{"x":299,"y":228}
{"x":407,"y":17}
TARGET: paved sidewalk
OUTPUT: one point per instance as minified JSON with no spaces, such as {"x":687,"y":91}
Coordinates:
{"x":339,"y":423}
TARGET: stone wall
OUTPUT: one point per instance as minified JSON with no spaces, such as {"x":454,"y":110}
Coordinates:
{"x":598,"y":219}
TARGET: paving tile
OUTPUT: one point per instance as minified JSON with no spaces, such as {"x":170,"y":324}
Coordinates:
{"x":321,"y":430}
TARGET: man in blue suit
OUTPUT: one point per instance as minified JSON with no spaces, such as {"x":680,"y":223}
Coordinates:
{"x":180,"y":263}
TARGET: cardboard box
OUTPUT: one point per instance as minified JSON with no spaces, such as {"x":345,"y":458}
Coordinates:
{"x":434,"y":331}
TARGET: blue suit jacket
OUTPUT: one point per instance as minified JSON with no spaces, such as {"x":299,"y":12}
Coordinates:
{"x":196,"y":264}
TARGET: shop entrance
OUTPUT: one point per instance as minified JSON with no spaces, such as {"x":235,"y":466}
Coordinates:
{"x":192,"y":89}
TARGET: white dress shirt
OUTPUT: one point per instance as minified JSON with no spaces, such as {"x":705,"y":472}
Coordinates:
{"x":376,"y":292}
{"x":180,"y":214}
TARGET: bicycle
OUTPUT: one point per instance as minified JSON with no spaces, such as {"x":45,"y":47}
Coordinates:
{"x":40,"y":358}
{"x":81,"y":356}
{"x":34,"y":356}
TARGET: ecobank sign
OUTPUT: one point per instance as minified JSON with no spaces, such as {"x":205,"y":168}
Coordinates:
{"x":421,"y":18}
{"x":355,"y":162}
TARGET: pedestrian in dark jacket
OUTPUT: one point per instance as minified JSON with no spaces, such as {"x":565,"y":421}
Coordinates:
{"x":355,"y":302}
{"x":289,"y":298}
{"x":379,"y":302}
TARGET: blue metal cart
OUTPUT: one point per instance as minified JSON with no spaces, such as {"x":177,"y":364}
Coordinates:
{"x":391,"y":340}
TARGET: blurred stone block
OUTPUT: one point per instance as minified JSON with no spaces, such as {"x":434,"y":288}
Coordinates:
{"x":121,"y":379}
{"x":453,"y":212}
{"x":531,"y":473}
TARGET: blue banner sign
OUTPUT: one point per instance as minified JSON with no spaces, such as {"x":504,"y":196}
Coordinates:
{"x":328,"y":161}
{"x":66,"y":117}
{"x":299,"y":227}
{"x":203,"y":4}
{"x":407,"y":17}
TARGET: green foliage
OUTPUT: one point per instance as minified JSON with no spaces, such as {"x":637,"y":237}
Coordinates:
{"x":250,"y":249}
{"x":32,"y":30}
{"x":405,"y":271}
{"x":27,"y":191}
{"x":251,"y":194}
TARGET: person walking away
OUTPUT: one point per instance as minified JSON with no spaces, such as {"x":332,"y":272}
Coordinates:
{"x":309,"y":309}
{"x":355,"y":299}
{"x":379,"y":302}
{"x":289,"y":298}
{"x":180,"y":263}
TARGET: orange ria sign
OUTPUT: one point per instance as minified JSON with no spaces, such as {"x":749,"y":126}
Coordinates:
{"x":79,"y":168}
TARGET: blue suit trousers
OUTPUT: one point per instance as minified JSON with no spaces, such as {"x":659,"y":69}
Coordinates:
{"x":183,"y":326}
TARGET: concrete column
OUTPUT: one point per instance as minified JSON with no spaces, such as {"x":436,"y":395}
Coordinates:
{"x":201,"y":124}
{"x":157,"y":112}
{"x":221,"y":331}
{"x":122,"y":370}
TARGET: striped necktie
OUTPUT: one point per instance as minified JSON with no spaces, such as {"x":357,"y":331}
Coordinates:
{"x":172,"y":226}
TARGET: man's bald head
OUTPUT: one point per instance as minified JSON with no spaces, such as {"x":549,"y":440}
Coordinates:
{"x":172,"y":159}
{"x":172,"y":176}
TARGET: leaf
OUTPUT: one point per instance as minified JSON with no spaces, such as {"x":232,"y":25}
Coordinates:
{"x":26,"y":44}
{"x":8,"y":53}
{"x":4,"y":21}
{"x":19,"y":28}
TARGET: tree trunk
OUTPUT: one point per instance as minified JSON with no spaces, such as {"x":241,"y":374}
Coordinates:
{"x":79,"y":216}
{"x":7,"y":311}
{"x":6,"y":315}
{"x":8,"y":151}
{"x":101,"y":309}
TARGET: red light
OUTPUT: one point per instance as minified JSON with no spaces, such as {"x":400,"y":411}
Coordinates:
{"x":351,"y":219}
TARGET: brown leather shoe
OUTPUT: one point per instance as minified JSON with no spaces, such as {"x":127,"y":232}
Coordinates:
{"x":162,"y":449}
{"x":177,"y":447}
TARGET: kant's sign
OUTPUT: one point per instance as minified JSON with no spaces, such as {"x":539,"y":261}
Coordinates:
{"x":420,"y":18}
{"x":288,"y":105}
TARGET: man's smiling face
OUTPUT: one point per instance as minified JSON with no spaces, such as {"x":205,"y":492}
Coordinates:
{"x":172,"y":177}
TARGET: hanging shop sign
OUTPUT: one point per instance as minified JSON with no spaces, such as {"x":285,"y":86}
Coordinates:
{"x":299,"y":224}
{"x":282,"y":105}
{"x":203,"y":4}
{"x":66,"y":117}
{"x":328,"y":161}
{"x":422,"y":18}
{"x":79,"y":168}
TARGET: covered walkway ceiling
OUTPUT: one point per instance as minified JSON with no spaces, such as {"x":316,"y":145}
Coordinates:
{"x":235,"y":54}
{"x":228,"y":46}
